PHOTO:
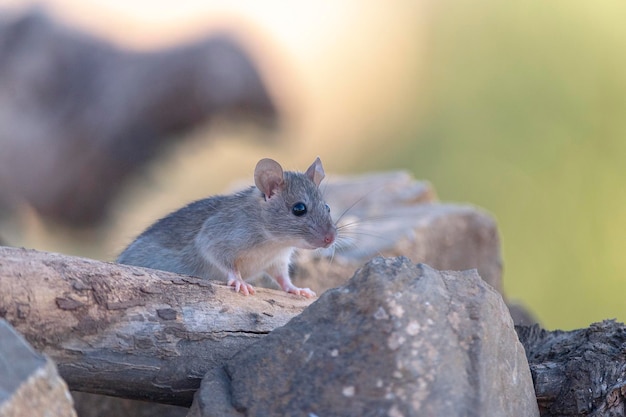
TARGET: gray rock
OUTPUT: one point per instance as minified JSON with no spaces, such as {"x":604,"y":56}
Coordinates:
{"x":29,"y":383}
{"x":397,"y":340}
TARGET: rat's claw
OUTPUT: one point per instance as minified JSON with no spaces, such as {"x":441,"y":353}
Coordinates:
{"x":306,"y":292}
{"x":241,"y":286}
{"x":288,"y":287}
{"x":249,"y":289}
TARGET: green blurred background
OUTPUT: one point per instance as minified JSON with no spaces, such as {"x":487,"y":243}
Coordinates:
{"x":526,"y":117}
{"x":516,"y":107}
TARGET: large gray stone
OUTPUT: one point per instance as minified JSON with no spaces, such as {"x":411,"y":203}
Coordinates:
{"x":29,"y":383}
{"x":397,"y":340}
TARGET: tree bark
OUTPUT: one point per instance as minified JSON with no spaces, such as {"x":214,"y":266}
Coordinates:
{"x":579,"y":372}
{"x":128,"y":331}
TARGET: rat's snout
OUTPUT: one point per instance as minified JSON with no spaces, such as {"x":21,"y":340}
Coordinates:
{"x":329,"y":237}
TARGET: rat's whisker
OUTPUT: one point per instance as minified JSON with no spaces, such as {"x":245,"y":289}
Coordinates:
{"x":351,"y":206}
{"x":356,"y":225}
{"x":344,"y":244}
{"x":359,"y":200}
{"x":365,"y":220}
{"x":354,"y":230}
{"x":376,"y":236}
{"x":332,"y":255}
{"x":350,"y":244}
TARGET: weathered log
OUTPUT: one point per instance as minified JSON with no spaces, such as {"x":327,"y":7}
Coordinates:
{"x":132,"y":332}
{"x":580,"y":372}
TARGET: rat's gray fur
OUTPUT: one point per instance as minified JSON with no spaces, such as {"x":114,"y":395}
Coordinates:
{"x":245,"y":232}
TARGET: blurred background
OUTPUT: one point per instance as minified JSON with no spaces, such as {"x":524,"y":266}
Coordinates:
{"x":518,"y":108}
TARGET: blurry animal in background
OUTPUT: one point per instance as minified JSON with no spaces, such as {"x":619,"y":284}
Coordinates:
{"x":79,"y":115}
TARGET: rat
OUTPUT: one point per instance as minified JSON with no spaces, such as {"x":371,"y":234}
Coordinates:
{"x":239,"y":236}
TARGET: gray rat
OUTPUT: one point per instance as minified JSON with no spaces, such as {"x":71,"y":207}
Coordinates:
{"x":242,"y":235}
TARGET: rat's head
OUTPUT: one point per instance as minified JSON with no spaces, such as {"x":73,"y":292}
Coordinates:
{"x":294,"y":209}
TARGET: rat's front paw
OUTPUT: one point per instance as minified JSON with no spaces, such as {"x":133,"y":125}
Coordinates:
{"x":288,"y":287}
{"x":241,"y":285}
{"x":307,"y":292}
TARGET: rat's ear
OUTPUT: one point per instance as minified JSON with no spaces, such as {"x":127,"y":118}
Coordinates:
{"x":268,"y":177}
{"x":316,"y":172}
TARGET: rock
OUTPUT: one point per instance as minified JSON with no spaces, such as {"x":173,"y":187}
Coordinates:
{"x":29,"y":383}
{"x":397,"y":340}
{"x":392,"y":214}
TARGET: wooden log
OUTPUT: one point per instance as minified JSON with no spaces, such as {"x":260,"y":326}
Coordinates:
{"x":579,"y":372}
{"x":132,"y":332}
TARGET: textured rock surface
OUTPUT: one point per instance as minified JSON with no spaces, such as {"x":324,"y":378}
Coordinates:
{"x":580,"y":372}
{"x":392,"y":214}
{"x":397,"y":340}
{"x":29,"y":383}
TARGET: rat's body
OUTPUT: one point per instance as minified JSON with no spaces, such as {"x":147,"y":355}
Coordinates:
{"x":242,"y":235}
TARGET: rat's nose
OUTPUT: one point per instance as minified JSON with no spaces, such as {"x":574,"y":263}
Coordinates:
{"x":329,"y":238}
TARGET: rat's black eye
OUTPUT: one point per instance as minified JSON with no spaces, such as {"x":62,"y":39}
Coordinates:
{"x":299,"y":209}
{"x":327,"y":207}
